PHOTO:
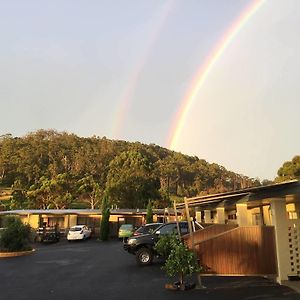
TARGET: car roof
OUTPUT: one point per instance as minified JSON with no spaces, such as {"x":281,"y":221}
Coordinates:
{"x":77,"y":226}
{"x":157,"y":223}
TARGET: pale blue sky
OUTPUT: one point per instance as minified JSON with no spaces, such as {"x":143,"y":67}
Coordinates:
{"x":66,"y":64}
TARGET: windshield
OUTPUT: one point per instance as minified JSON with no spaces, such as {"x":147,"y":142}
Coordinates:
{"x":75,"y":229}
{"x":148,"y":228}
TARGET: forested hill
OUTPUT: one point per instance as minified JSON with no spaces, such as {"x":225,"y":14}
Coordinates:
{"x":49,"y":169}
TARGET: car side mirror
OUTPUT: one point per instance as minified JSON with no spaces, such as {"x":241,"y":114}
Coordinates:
{"x":157,"y":232}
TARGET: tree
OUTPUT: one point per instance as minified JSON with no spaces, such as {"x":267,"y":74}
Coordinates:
{"x":149,"y":215}
{"x":104,"y":226}
{"x":51,"y":193}
{"x":131,"y":173}
{"x":182,"y":262}
{"x":90,"y":190}
{"x":131,"y":182}
{"x":289,"y":170}
{"x":165,"y":244}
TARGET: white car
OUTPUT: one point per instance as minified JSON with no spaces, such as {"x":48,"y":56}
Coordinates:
{"x":79,"y":232}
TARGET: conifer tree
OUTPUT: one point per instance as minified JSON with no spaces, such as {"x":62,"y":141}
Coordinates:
{"x":149,"y":216}
{"x":104,"y":226}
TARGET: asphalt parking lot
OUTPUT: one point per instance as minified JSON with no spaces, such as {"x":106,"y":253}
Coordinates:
{"x":97,"y":270}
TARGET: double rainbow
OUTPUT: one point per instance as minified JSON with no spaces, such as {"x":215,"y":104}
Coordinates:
{"x":204,"y":70}
{"x":129,"y":91}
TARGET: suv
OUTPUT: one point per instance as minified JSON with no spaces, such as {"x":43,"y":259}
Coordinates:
{"x":147,"y":228}
{"x":143,"y":246}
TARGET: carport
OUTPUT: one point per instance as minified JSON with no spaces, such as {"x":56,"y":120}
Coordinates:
{"x":65,"y":218}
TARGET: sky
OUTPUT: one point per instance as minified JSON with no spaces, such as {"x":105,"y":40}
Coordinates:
{"x":121,"y":69}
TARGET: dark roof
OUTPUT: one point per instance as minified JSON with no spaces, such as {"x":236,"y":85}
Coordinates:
{"x":120,"y":211}
{"x":250,"y":194}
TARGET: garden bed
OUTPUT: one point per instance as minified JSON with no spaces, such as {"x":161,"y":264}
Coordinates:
{"x":16,"y":253}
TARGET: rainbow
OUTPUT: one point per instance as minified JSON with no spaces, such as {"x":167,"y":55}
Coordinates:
{"x":128,"y":92}
{"x":205,"y":69}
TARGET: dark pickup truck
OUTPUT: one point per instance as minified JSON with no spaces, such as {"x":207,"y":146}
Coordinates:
{"x":143,"y":246}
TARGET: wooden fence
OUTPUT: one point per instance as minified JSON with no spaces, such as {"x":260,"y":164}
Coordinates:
{"x":239,"y":251}
{"x":208,"y":232}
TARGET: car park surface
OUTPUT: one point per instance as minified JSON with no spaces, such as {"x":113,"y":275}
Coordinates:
{"x":103,"y":270}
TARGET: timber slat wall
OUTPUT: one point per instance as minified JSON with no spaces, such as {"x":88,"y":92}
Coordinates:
{"x":208,"y":232}
{"x":240,"y":251}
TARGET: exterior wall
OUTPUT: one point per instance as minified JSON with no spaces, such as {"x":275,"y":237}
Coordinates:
{"x":279,"y":220}
{"x":198,"y":216}
{"x":72,"y":220}
{"x":244,"y":216}
{"x":66,"y":221}
{"x":267,"y":215}
{"x":231,"y":217}
{"x":33,"y":221}
{"x":256,"y":216}
{"x":220,"y":216}
{"x":24,"y":219}
{"x":207,"y":216}
{"x":294,"y":247}
{"x":293,"y":210}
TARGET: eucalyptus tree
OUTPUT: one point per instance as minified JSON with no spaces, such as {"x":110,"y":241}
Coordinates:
{"x":130,"y":181}
{"x":289,"y":170}
{"x":90,"y":191}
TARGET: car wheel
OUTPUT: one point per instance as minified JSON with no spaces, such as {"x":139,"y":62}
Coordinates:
{"x":144,"y":256}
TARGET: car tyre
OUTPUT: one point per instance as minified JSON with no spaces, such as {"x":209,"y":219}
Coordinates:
{"x":144,"y":256}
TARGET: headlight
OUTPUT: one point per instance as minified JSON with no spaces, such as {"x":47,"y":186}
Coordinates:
{"x":131,"y":241}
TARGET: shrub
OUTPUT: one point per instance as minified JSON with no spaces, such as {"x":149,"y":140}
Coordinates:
{"x":181,"y":262}
{"x":15,"y":236}
{"x":165,"y":244}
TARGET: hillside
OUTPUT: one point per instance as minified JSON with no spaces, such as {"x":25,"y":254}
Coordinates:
{"x":49,"y":169}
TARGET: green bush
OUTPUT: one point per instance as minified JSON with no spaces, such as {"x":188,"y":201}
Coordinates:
{"x":165,"y":244}
{"x":15,"y":236}
{"x":181,"y":262}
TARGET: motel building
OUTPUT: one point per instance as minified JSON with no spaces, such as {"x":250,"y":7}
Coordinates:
{"x":66,"y":218}
{"x":254,"y":231}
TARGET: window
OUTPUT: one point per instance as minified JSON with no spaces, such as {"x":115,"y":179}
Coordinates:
{"x":168,"y":229}
{"x":293,"y":215}
{"x":184,"y":228}
{"x":75,"y":229}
